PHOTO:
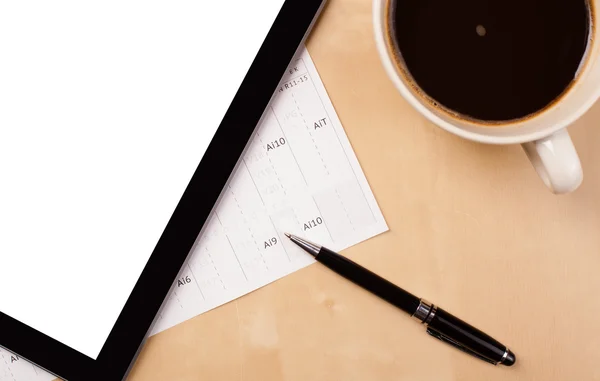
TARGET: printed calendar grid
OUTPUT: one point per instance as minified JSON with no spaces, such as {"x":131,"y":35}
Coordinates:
{"x":296,"y":176}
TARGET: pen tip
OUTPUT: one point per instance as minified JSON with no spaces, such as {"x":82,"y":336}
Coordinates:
{"x":288,"y":235}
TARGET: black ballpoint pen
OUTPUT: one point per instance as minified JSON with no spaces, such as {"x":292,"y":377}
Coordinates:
{"x":440,"y":324}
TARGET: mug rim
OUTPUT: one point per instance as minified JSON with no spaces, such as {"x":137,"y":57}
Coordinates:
{"x":517,"y":138}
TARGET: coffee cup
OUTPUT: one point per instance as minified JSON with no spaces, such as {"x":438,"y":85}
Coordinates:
{"x":543,"y":135}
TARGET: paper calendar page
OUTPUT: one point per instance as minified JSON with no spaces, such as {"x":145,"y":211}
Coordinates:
{"x":298,"y":175}
{"x":14,"y":368}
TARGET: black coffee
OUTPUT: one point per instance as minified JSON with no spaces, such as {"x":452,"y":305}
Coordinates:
{"x":493,"y":60}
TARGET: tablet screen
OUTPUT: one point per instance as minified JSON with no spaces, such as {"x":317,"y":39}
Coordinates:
{"x":106,"y":109}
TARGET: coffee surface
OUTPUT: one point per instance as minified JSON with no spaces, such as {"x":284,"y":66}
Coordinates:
{"x":492,"y":60}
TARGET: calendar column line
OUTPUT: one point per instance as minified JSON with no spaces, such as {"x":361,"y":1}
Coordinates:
{"x":232,"y":249}
{"x":249,"y":228}
{"x":310,"y":134}
{"x":272,"y":167}
{"x":324,"y":219}
{"x":278,"y":237}
{"x":196,"y":280}
{"x":340,"y":142}
{"x":290,"y":143}
{"x":254,"y":182}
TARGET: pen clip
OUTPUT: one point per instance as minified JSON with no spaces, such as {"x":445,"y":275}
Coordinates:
{"x":458,"y":345}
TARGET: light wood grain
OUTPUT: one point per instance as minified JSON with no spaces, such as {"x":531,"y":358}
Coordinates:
{"x":472,"y":229}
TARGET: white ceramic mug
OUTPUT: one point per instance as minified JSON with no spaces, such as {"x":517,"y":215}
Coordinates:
{"x":544,"y":136}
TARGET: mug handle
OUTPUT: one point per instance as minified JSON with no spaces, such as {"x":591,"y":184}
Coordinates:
{"x":556,"y":161}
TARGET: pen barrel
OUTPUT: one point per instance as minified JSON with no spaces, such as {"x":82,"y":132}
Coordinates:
{"x":453,"y":330}
{"x":368,"y":280}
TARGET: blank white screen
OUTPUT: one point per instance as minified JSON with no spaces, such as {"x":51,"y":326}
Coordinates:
{"x":106,"y":109}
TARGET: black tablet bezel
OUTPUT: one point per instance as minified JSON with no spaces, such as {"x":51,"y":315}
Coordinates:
{"x":117,"y":355}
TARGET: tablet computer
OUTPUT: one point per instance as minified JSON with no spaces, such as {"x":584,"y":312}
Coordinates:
{"x":120,"y":123}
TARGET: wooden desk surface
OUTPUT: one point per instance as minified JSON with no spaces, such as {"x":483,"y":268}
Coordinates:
{"x":472,"y":228}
